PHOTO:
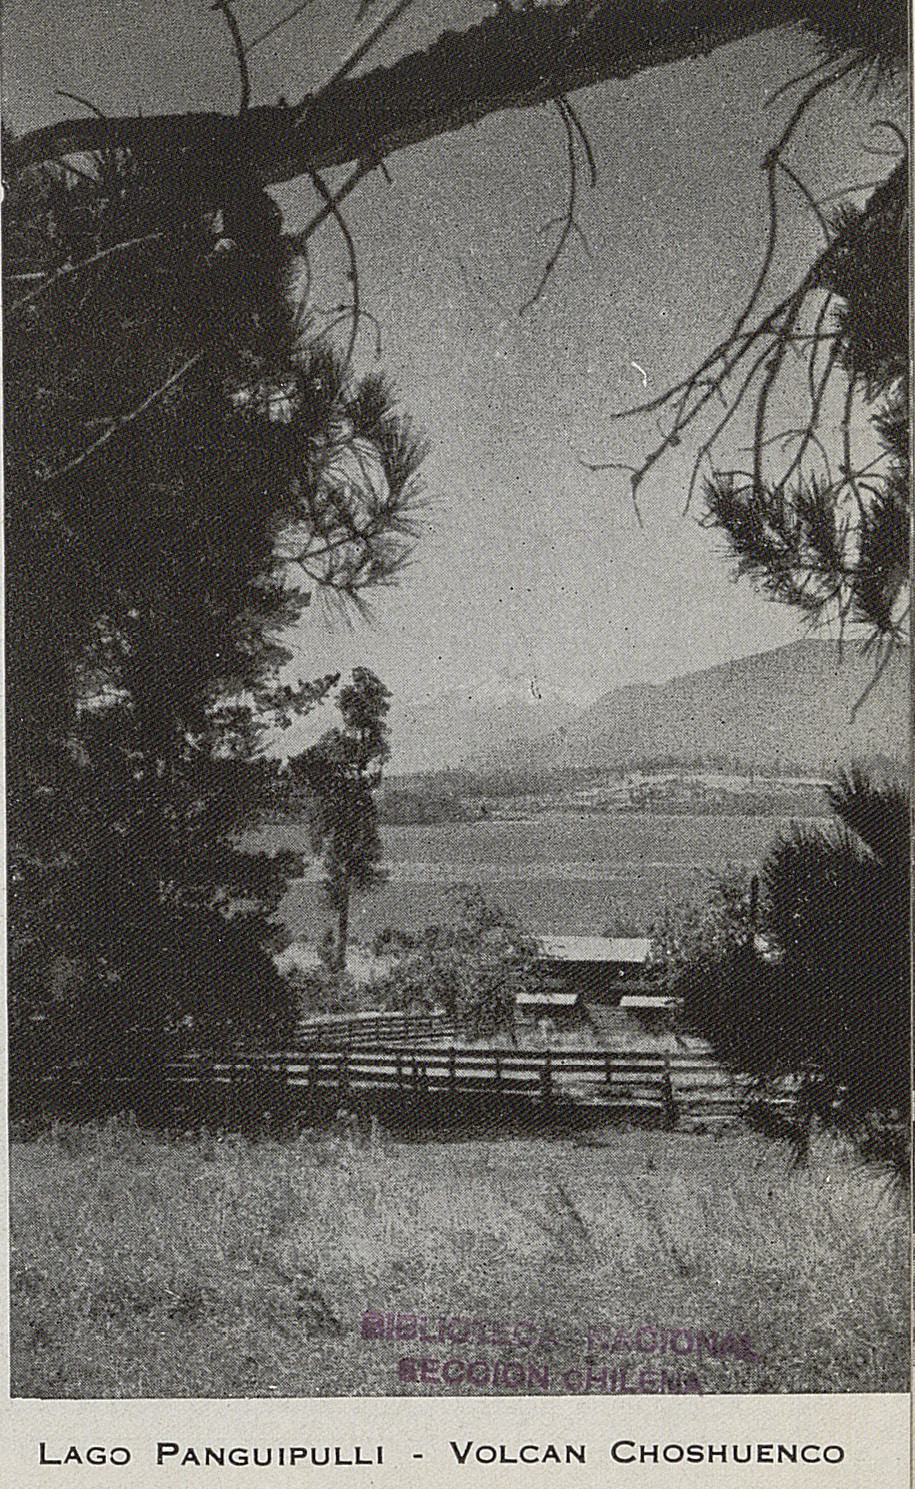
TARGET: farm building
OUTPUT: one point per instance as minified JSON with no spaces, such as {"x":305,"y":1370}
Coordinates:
{"x":561,"y":1008}
{"x":599,"y":969}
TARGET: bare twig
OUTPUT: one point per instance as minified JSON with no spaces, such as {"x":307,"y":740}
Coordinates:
{"x":599,"y":465}
{"x":714,"y":387}
{"x":277,"y":26}
{"x":819,"y":338}
{"x":801,"y":77}
{"x":636,"y":476}
{"x":786,"y":437}
{"x":809,"y":198}
{"x":86,"y":102}
{"x":344,"y":313}
{"x":224,"y":7}
{"x":333,"y":207}
{"x":364,"y":168}
{"x":708,"y":445}
{"x":793,"y":309}
{"x":567,"y":221}
{"x":776,"y":333}
{"x":695,"y":378}
{"x":120,"y":424}
{"x":585,"y":142}
{"x":800,"y":109}
{"x":66,"y":269}
{"x":893,"y":129}
{"x":813,"y":420}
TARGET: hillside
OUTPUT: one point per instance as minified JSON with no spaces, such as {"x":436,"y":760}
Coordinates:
{"x":791,"y":707}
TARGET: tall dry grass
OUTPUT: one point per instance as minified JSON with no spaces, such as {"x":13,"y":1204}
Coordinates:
{"x":221,"y":1267}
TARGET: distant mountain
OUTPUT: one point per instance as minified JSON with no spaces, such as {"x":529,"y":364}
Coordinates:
{"x":783,"y":708}
{"x":440,"y":732}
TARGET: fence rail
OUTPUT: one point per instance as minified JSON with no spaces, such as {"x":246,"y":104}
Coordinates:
{"x":346,"y":1029}
{"x":395,"y":1058}
{"x":681,"y":1085}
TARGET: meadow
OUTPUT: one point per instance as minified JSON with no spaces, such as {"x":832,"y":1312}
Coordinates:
{"x":557,"y":872}
{"x":213,"y":1265}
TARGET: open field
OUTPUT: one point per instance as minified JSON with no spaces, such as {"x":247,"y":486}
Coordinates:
{"x":197,"y":1266}
{"x":559,"y":872}
{"x":569,"y":907}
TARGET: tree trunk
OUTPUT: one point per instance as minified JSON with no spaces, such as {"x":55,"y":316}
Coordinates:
{"x":511,"y":60}
{"x":342,"y":926}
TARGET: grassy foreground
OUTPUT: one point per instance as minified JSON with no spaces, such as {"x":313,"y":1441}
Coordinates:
{"x":142,"y":1266}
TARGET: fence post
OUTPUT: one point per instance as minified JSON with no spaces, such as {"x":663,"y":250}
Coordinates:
{"x":608,"y":1075}
{"x":498,"y":1064}
{"x":546,"y":1081}
{"x":343,"y":1086}
{"x":399,"y":1071}
{"x":670,"y":1102}
{"x":452,"y":1071}
{"x":209,"y":1096}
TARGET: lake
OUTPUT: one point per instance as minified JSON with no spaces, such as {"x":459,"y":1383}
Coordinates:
{"x":558,"y":873}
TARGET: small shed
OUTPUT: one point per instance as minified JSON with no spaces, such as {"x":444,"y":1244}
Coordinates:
{"x":649,"y":1002}
{"x":601,"y":969}
{"x":560,"y":1007}
{"x":651,"y":1011}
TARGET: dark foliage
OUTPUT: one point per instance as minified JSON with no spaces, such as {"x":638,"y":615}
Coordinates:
{"x":835,"y":542}
{"x":827,"y":990}
{"x":173,"y":460}
{"x":874,"y":34}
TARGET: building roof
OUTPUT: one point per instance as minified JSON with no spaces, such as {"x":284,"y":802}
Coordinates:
{"x":631,"y":949}
{"x":648,"y":1000}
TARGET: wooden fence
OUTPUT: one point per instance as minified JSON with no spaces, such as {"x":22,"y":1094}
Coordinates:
{"x":680,"y":1088}
{"x":349,"y":1030}
{"x":388,"y":1061}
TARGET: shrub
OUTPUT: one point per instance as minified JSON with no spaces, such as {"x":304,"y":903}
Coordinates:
{"x":473,"y":966}
{"x":824,"y":993}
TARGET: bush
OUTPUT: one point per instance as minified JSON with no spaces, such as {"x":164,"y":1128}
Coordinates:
{"x":473,"y":966}
{"x":824,"y":992}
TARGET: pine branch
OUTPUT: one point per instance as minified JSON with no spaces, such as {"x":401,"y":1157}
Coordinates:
{"x":507,"y":61}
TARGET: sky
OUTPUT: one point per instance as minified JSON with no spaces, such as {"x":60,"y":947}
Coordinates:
{"x":529,"y":571}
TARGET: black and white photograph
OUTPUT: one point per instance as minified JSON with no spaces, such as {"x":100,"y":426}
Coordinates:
{"x":458,"y":731}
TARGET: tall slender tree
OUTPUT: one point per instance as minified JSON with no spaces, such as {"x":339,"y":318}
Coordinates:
{"x":342,"y":773}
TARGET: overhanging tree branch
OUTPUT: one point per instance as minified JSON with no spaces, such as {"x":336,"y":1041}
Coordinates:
{"x":512,"y":60}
